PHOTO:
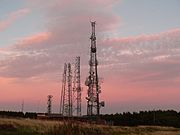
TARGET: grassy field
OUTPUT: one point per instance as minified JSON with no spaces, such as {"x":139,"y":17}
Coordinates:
{"x":38,"y":127}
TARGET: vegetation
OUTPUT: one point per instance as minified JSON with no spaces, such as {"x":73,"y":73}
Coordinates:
{"x":142,"y":123}
{"x":157,"y":118}
{"x":38,"y":127}
{"x":31,"y":115}
{"x":22,"y":126}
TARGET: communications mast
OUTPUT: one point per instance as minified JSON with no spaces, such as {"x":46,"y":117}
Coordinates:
{"x":66,"y":108}
{"x":49,"y":104}
{"x":92,"y":81}
{"x":77,"y":86}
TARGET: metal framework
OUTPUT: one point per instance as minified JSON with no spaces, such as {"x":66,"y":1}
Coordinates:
{"x":66,"y":105}
{"x":92,"y":81}
{"x":70,"y":103}
{"x":77,"y":87}
{"x":22,"y":106}
{"x":63,"y":91}
{"x":69,"y":81}
{"x":49,"y":104}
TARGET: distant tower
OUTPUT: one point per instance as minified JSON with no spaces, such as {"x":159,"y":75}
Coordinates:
{"x":22,"y":106}
{"x":69,"y":81}
{"x":49,"y":104}
{"x":66,"y":105}
{"x":63,"y":91}
{"x":77,"y":86}
{"x":92,"y":81}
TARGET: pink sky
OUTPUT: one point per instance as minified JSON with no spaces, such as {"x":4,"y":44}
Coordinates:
{"x":139,"y":72}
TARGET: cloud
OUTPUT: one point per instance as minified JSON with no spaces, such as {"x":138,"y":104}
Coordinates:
{"x":151,"y":61}
{"x":161,"y":57}
{"x":68,"y":32}
{"x":145,"y":58}
{"x":71,"y":19}
{"x":144,"y":47}
{"x":35,"y":39}
{"x":12,"y":17}
{"x":132,"y":66}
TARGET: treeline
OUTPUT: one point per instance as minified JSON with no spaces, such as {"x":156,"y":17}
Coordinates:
{"x":155,"y":118}
{"x":18,"y":114}
{"x":158,"y":118}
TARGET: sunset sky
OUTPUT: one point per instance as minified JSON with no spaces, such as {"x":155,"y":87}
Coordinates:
{"x":138,"y":45}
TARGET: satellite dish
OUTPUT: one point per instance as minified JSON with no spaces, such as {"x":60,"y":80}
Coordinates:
{"x":102,"y":103}
{"x":87,"y":82}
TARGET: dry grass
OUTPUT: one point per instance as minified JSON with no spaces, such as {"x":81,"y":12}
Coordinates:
{"x":146,"y":130}
{"x":39,"y":127}
{"x":29,"y":125}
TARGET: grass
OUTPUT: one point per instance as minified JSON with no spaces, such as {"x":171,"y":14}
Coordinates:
{"x":38,"y":127}
{"x":25,"y":126}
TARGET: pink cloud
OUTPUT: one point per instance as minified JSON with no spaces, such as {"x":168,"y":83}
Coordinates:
{"x":12,"y":17}
{"x":39,"y":60}
{"x":131,"y":71}
{"x":71,"y":19}
{"x":144,"y":38}
{"x":35,"y":39}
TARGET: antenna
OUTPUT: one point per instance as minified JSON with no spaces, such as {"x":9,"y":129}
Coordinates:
{"x":77,"y":86}
{"x":92,"y":81}
{"x":66,"y":104}
{"x":49,"y":104}
{"x":22,"y":106}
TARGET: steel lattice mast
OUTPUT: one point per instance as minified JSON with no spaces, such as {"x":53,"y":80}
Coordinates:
{"x":66,"y":108}
{"x":63,"y":91}
{"x":77,"y":86}
{"x":69,"y":81}
{"x":49,"y":104}
{"x":93,"y":104}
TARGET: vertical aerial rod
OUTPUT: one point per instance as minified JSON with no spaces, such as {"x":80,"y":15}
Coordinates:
{"x":93,"y":104}
{"x":49,"y":104}
{"x":22,"y":106}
